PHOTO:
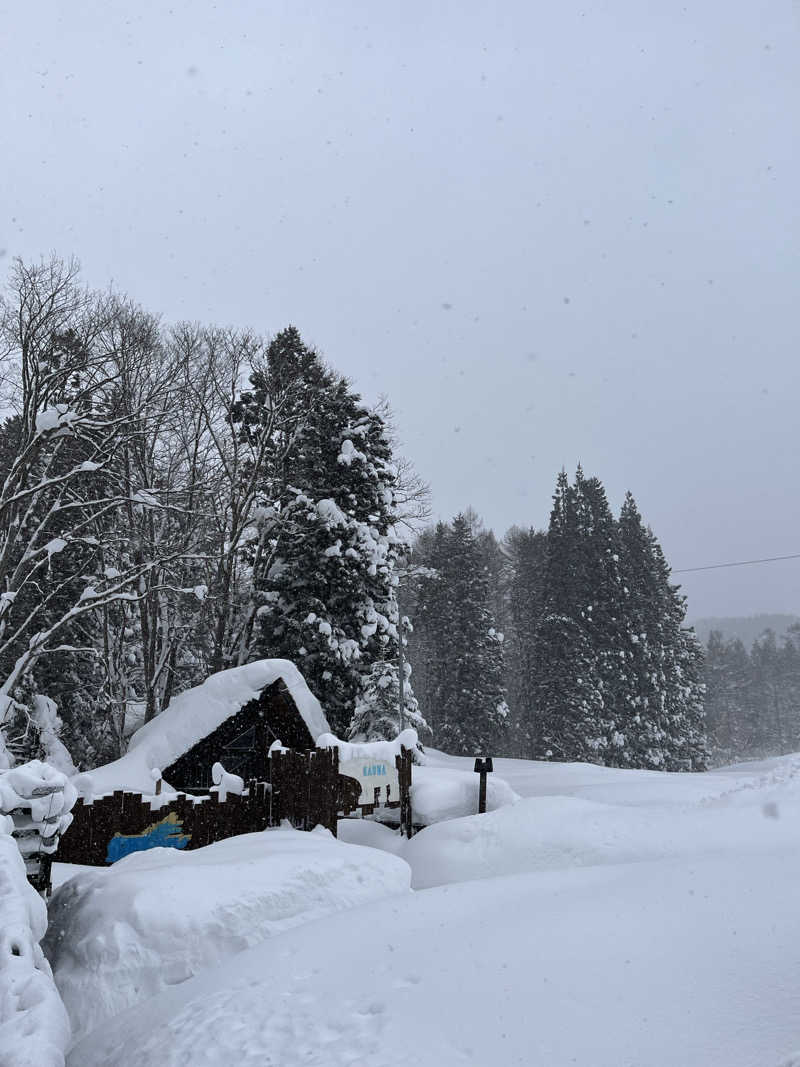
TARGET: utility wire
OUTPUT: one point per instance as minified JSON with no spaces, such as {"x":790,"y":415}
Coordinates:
{"x":742,"y":563}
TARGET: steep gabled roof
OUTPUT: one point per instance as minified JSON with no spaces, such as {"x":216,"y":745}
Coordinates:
{"x":197,"y":713}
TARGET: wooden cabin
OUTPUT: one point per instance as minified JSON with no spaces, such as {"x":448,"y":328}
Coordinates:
{"x":241,"y":742}
{"x":232,"y":719}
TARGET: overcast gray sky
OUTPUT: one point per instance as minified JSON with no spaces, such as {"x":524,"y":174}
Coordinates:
{"x":548,"y":232}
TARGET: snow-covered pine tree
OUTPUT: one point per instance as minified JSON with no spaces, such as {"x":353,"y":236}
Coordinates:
{"x":570,"y":707}
{"x":601,"y":613}
{"x":769,"y":720}
{"x":465,"y":690}
{"x":646,"y":629}
{"x":376,"y":717}
{"x":663,"y":687}
{"x":327,"y":598}
{"x":686,"y":699}
{"x":526,"y":555}
{"x":425,"y":597}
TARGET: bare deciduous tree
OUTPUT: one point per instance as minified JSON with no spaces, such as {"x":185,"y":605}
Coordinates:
{"x":60,"y":487}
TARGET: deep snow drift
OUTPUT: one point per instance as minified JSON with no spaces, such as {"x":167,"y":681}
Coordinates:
{"x":606,"y":919}
{"x":155,"y":918}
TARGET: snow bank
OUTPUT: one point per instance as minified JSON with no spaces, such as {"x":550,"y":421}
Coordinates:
{"x":127,"y":932}
{"x":198,"y":712}
{"x":650,"y":919}
{"x":34,"y":1029}
{"x":659,"y":965}
{"x":439,"y":793}
{"x":370,"y":834}
{"x":552,"y":833}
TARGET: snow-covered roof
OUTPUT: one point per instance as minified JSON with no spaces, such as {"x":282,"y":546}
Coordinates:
{"x":195,"y":714}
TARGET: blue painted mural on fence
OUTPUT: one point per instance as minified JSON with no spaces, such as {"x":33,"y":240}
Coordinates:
{"x":168,"y":833}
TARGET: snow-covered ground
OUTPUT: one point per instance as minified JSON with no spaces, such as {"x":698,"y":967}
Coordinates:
{"x":606,"y":919}
{"x":120,"y":934}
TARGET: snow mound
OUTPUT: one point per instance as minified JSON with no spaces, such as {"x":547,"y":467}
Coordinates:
{"x":198,"y":712}
{"x":555,"y":833}
{"x":154,"y":919}
{"x":371,"y":834}
{"x":649,"y":919}
{"x":439,"y":793}
{"x":34,"y":1029}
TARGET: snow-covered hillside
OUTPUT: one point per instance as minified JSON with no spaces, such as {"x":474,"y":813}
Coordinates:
{"x":607,"y":918}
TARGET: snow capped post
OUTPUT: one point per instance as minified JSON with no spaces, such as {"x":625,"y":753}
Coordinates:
{"x":226,"y":782}
{"x":483,"y":766}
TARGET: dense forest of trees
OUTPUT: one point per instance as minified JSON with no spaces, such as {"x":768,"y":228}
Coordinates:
{"x":567,"y":644}
{"x":753,"y":696}
{"x":179,"y":500}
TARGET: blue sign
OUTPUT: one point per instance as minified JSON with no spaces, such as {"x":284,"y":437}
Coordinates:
{"x":168,"y":833}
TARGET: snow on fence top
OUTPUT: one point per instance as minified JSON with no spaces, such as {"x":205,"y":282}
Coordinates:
{"x":195,"y":714}
{"x":378,"y":750}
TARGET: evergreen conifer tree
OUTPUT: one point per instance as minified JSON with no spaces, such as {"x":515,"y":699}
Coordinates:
{"x":568,"y":689}
{"x":376,"y":716}
{"x":601,"y":613}
{"x":327,"y":600}
{"x":526,"y":552}
{"x":665,"y":691}
{"x":617,"y":676}
{"x":465,"y":689}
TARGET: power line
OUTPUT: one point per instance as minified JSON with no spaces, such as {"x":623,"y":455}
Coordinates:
{"x":741,"y":563}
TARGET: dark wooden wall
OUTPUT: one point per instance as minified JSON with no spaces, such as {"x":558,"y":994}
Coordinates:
{"x":306,"y":790}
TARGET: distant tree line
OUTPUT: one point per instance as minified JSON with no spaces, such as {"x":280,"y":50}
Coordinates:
{"x":753,"y":697}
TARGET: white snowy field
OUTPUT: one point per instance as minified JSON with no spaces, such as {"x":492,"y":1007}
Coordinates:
{"x":606,"y":919}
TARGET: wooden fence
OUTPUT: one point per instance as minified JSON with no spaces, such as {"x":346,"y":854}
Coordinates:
{"x":305,"y":789}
